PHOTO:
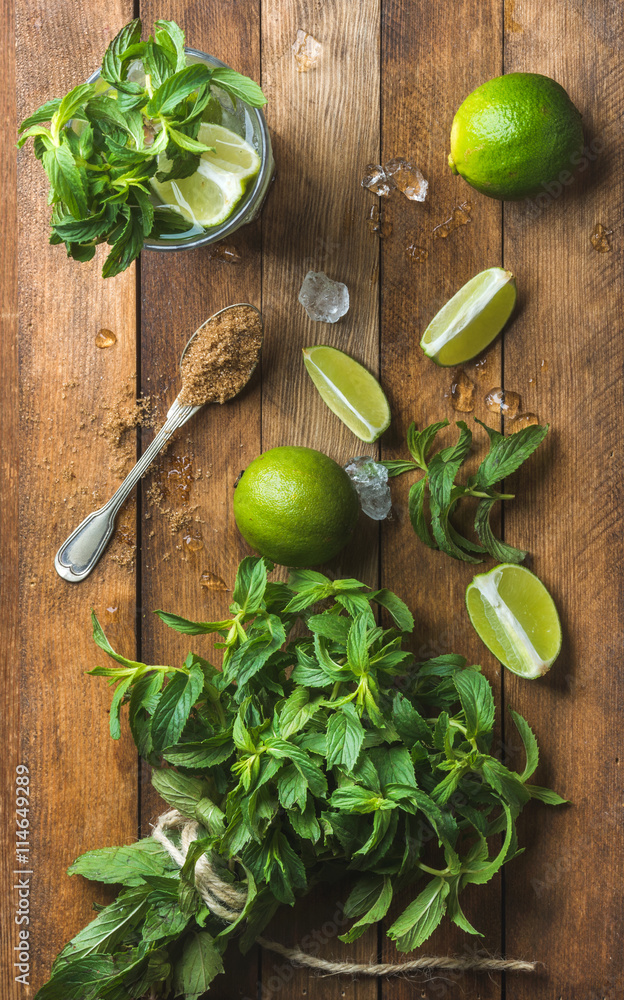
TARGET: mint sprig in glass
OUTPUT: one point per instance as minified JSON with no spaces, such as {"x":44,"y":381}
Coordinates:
{"x":126,"y":151}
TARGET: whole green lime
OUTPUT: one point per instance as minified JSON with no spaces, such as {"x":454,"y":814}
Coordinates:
{"x":515,"y":135}
{"x":296,"y":506}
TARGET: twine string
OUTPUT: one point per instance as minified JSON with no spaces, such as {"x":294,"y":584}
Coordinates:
{"x":227,"y":901}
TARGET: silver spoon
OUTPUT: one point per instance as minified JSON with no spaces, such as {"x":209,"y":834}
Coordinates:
{"x":79,"y":554}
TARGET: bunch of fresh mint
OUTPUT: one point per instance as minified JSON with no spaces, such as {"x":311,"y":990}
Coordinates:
{"x":432,"y":521}
{"x":328,"y":756}
{"x":101,"y":148}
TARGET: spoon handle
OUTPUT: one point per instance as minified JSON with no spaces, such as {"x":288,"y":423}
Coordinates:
{"x":80,"y":552}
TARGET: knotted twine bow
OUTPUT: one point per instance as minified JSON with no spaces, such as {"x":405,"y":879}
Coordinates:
{"x":227,"y":902}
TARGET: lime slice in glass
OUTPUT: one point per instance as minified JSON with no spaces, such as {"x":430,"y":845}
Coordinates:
{"x":516,"y":618}
{"x":209,"y":196}
{"x":470,"y":321}
{"x":233,"y":153}
{"x":350,"y":391}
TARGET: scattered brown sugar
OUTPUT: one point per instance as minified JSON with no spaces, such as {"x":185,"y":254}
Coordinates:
{"x":169,"y":494}
{"x":123,"y":416}
{"x":222,"y":357}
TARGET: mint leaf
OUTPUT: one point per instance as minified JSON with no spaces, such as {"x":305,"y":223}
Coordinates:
{"x":69,"y":107}
{"x":65,"y":181}
{"x":192,"y":628}
{"x":507,"y":454}
{"x":203,"y":755}
{"x":421,"y":917}
{"x":397,"y":608}
{"x":508,"y":785}
{"x":43,"y":114}
{"x":444,"y":467}
{"x":396,"y":467}
{"x":345,"y":735}
{"x":416,"y":509}
{"x":377,"y":910}
{"x":113,"y":70}
{"x":546,"y":795}
{"x":174,"y":707}
{"x":171,"y":38}
{"x":499,"y":550}
{"x":239,"y":86}
{"x":477,"y":701}
{"x":198,"y":965}
{"x":250,"y":584}
{"x":187,"y":143}
{"x":530,"y":745}
{"x":420,"y":442}
{"x":179,"y":86}
{"x":125,"y":865}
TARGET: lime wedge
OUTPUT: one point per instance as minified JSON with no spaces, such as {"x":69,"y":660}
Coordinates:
{"x":470,"y":321}
{"x":209,"y":196}
{"x":350,"y":391}
{"x":516,"y":618}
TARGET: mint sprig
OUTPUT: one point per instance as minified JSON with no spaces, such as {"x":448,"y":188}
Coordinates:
{"x":434,"y":498}
{"x":321,"y":752}
{"x":100,"y":150}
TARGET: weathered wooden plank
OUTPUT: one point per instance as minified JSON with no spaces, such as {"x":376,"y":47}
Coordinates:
{"x":83,"y":786}
{"x":178,"y":292}
{"x":428,"y":67}
{"x":9,"y":523}
{"x":325,"y":124}
{"x":563,"y":904}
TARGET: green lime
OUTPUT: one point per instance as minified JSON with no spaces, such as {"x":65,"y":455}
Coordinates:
{"x":516,"y":618}
{"x":350,"y":391}
{"x":469,"y":322}
{"x":209,"y":196}
{"x":296,"y":506}
{"x":515,"y":135}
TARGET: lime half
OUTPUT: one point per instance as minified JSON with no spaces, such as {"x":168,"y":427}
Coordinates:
{"x":350,"y":391}
{"x":209,"y":196}
{"x":516,"y":618}
{"x":470,"y":321}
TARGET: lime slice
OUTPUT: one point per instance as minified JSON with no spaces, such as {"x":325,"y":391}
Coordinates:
{"x":350,"y":391}
{"x":516,"y":618}
{"x":209,"y":196}
{"x":470,"y":321}
{"x":233,"y":153}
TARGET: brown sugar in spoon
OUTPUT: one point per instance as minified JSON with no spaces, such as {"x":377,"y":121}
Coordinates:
{"x":216,"y":364}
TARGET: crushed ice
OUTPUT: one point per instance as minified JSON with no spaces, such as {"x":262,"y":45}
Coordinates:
{"x":370,"y":479}
{"x":324,"y":300}
{"x":399,"y":174}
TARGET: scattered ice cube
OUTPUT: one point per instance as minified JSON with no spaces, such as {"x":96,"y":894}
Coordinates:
{"x":499,"y":400}
{"x":462,"y":393}
{"x":377,"y":222}
{"x":377,"y":181}
{"x":370,"y":479}
{"x":416,"y":253}
{"x":522,"y":421}
{"x":307,"y":51}
{"x":600,"y":238}
{"x":221,"y":251}
{"x":407,"y":178}
{"x":324,"y":300}
{"x":460,"y":216}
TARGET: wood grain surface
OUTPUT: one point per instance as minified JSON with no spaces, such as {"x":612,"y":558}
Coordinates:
{"x":389,"y":79}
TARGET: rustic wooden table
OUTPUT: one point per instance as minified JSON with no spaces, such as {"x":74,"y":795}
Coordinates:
{"x":391,"y":75}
